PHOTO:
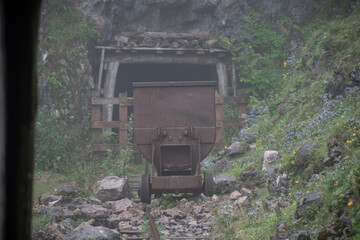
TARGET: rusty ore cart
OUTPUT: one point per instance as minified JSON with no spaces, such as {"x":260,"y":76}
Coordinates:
{"x":174,"y":128}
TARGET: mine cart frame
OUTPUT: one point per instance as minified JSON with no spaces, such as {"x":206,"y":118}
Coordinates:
{"x":174,"y":128}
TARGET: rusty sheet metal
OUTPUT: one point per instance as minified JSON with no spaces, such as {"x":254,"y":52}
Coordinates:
{"x":176,"y":182}
{"x":175,"y":105}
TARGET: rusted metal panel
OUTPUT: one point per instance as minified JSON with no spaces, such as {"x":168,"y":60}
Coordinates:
{"x":176,"y":182}
{"x":174,"y":127}
{"x":175,"y":104}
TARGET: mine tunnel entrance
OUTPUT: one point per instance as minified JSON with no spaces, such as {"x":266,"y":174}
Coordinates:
{"x":149,"y":72}
{"x":129,"y":73}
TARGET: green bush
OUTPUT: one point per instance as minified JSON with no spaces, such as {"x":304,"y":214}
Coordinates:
{"x":260,"y":53}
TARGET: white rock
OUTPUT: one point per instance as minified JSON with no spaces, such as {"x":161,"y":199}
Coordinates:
{"x":242,"y":202}
{"x":235,"y":195}
{"x":215,"y":198}
{"x":270,"y":157}
{"x":112,"y":188}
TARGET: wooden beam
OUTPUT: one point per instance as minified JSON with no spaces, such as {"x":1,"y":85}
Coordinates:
{"x":96,"y":116}
{"x":154,"y":49}
{"x":167,"y":35}
{"x":123,"y":119}
{"x":101,"y":68}
{"x":101,"y":101}
{"x":222,"y":78}
{"x":166,"y":59}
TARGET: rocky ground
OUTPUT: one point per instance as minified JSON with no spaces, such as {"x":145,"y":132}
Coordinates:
{"x":111,"y":214}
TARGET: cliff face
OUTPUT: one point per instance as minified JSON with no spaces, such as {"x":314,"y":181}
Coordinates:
{"x":217,"y":17}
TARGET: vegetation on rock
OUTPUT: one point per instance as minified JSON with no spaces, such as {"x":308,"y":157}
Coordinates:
{"x":301,"y":111}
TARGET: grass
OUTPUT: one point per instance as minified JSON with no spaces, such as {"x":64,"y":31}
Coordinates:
{"x":46,"y":182}
{"x":308,"y":117}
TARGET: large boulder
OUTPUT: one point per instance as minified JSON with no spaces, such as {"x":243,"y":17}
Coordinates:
{"x":224,"y":183}
{"x":237,"y":148}
{"x":303,"y":209}
{"x":340,"y":228}
{"x":303,"y":156}
{"x":112,"y":188}
{"x":95,"y":233}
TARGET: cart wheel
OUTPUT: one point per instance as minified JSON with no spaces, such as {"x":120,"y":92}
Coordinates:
{"x":145,"y":189}
{"x":208,"y":184}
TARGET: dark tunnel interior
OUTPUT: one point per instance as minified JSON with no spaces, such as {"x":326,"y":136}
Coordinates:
{"x":129,"y":73}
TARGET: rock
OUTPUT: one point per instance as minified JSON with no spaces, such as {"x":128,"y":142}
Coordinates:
{"x":112,"y":188}
{"x":246,"y":191}
{"x":184,"y":205}
{"x":282,"y":233}
{"x":237,"y":148}
{"x":84,"y":225}
{"x":334,"y":153}
{"x":46,"y":198}
{"x":95,"y":233}
{"x":279,"y":183}
{"x":197,"y":210}
{"x":175,"y":214}
{"x":335,"y":85}
{"x":355,"y":75}
{"x":113,"y":221}
{"x":90,"y":211}
{"x":340,"y":228}
{"x":273,"y":205}
{"x":214,"y":198}
{"x":303,"y":156}
{"x":251,"y":178}
{"x":296,"y":41}
{"x":131,"y":213}
{"x":235,"y":195}
{"x":67,"y":191}
{"x":147,"y":42}
{"x":224,"y":183}
{"x":242,"y":203}
{"x":67,"y":226}
{"x":270,"y":157}
{"x":306,"y":201}
{"x":122,"y":205}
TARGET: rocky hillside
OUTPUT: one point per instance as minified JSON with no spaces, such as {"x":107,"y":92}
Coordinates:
{"x":293,"y":173}
{"x":300,"y":152}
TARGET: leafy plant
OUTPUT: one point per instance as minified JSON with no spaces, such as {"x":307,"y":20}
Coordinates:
{"x":259,"y":55}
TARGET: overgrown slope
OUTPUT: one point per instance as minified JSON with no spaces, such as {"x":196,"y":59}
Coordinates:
{"x":318,"y":104}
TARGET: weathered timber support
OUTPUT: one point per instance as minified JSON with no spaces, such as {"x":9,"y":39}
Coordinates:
{"x":109,"y":89}
{"x":96,"y":116}
{"x":101,"y":68}
{"x":233,"y":78}
{"x":222,"y":78}
{"x":123,"y":119}
{"x":219,"y":111}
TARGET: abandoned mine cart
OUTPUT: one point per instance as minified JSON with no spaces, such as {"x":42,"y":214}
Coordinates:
{"x":174,"y":128}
